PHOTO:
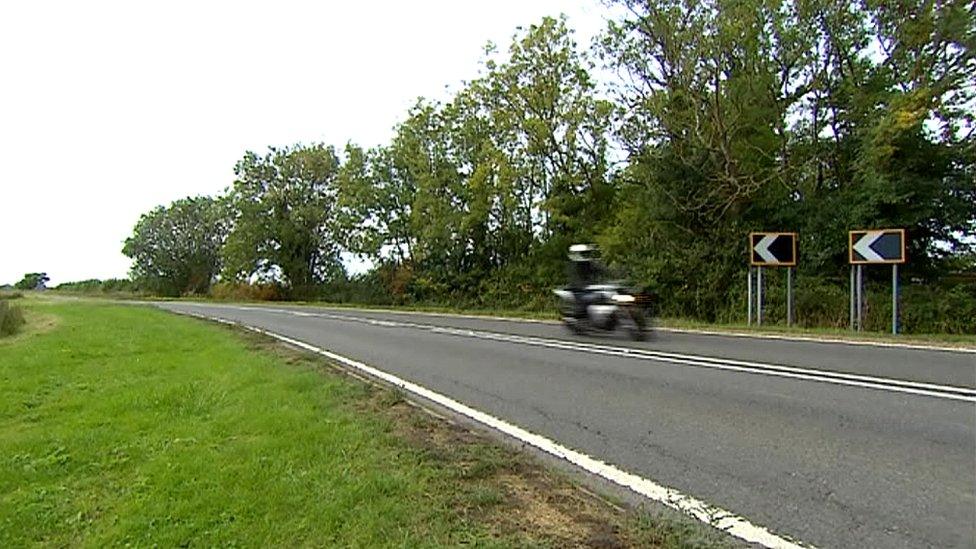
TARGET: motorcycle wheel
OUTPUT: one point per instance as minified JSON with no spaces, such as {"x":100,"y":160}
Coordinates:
{"x":638,"y":328}
{"x":574,"y":325}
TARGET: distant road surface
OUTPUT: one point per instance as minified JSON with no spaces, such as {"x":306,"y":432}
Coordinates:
{"x":833,"y":445}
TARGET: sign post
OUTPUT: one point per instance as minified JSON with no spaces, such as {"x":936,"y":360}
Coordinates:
{"x":876,"y":247}
{"x":853,"y":326}
{"x":771,"y":250}
{"x":759,"y":300}
{"x":894,"y":298}
{"x":749,"y":294}
{"x":789,"y":296}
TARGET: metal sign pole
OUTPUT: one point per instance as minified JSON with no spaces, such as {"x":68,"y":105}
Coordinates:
{"x":789,"y":296}
{"x":894,"y":298}
{"x":860,"y":298}
{"x":852,"y":298}
{"x":749,"y":307}
{"x":759,"y":300}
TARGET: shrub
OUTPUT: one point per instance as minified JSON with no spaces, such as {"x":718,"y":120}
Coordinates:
{"x":237,"y":291}
{"x":923,"y":308}
{"x":365,"y":290}
{"x":96,"y":286}
{"x":11,"y":318}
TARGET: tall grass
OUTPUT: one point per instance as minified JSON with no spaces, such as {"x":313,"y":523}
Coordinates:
{"x":11,"y":318}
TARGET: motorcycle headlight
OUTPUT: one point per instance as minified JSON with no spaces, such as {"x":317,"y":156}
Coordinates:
{"x":623,"y":298}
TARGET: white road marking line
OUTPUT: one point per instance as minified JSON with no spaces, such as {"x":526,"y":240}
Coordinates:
{"x":714,"y":516}
{"x":808,"y":339}
{"x":824,"y":376}
{"x":940,"y":391}
{"x":702,"y":331}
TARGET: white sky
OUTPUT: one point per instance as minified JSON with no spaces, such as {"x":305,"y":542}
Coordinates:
{"x":108,"y":109}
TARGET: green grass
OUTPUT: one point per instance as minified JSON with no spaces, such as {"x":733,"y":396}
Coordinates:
{"x":125,"y":425}
{"x":131,"y":426}
{"x":11,"y":318}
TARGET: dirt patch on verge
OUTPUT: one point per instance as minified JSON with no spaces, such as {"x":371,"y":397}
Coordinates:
{"x":498,"y":486}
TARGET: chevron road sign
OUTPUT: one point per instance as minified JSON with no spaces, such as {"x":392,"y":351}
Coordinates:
{"x":772,"y":249}
{"x":877,"y":246}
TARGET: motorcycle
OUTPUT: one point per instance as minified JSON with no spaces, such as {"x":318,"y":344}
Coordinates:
{"x":605,"y":307}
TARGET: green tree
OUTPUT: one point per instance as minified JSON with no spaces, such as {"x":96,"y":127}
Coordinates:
{"x":514,"y":162}
{"x":32,"y":281}
{"x":284,"y":224}
{"x":175,"y":249}
{"x":702,"y":121}
{"x":809,"y":115}
{"x":376,"y":191}
{"x":550,"y":130}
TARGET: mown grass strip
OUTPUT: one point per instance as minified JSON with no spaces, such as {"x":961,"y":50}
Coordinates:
{"x":124,"y":425}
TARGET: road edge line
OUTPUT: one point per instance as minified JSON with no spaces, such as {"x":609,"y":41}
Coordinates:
{"x":713,"y":516}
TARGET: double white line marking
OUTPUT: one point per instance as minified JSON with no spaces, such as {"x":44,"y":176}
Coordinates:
{"x":824,"y":376}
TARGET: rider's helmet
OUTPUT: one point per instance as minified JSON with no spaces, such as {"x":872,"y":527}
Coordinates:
{"x":582,"y":252}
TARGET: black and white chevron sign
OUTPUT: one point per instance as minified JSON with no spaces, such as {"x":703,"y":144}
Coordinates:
{"x":877,"y":246}
{"x":772,"y":249}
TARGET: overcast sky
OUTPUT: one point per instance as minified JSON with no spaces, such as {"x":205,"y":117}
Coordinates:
{"x":108,"y":109}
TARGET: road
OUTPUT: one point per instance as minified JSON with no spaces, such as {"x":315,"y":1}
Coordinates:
{"x":831,"y":444}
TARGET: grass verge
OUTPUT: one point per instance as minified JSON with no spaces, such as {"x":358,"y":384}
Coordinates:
{"x":124,"y":425}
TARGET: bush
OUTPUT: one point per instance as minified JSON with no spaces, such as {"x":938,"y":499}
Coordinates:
{"x":96,"y":286}
{"x":237,"y":291}
{"x":937,"y":309}
{"x":11,"y":318}
{"x":948,"y":307}
{"x":923,"y":308}
{"x":364,"y":290}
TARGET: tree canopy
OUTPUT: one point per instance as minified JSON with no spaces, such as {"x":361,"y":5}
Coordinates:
{"x":720,"y":118}
{"x":175,"y":249}
{"x":32,"y":281}
{"x":283,"y":224}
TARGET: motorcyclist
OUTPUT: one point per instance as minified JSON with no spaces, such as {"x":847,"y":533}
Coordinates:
{"x":585,"y":269}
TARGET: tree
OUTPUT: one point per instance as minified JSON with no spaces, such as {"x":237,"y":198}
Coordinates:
{"x":516,"y":160}
{"x":375,"y":196}
{"x":32,"y":281}
{"x":809,"y":115}
{"x":176,"y":249}
{"x":550,"y":130}
{"x":284,"y":224}
{"x":702,"y":120}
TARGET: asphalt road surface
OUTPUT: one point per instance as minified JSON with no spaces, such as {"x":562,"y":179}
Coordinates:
{"x":831,"y":444}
